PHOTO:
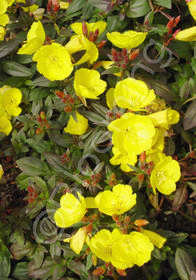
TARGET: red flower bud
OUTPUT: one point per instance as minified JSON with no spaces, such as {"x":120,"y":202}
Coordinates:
{"x":99,"y":271}
{"x":84,"y":29}
{"x":67,"y":109}
{"x":134,"y":54}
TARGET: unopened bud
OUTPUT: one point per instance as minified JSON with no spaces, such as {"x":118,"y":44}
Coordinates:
{"x":140,"y":178}
{"x":47,"y":126}
{"x":124,"y":52}
{"x":59,"y":93}
{"x":121,"y":272}
{"x":134,"y":54}
{"x":68,"y":109}
{"x":94,"y":260}
{"x":84,"y":29}
{"x":143,"y":157}
{"x":141,"y":222}
{"x":101,"y":44}
{"x":38,"y":131}
{"x":99,"y":271}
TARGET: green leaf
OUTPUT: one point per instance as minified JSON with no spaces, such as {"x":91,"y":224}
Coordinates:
{"x":55,"y":163}
{"x":42,"y":82}
{"x":47,"y":269}
{"x":164,"y":3}
{"x":78,"y":268}
{"x":184,"y":264}
{"x":5,"y":261}
{"x":21,"y":271}
{"x":19,"y":251}
{"x":15,"y":69}
{"x":89,"y":262}
{"x":43,"y":146}
{"x":138,"y":8}
{"x":190,"y":117}
{"x":62,"y":140}
{"x":74,"y":9}
{"x":8,"y":47}
{"x":100,"y":4}
{"x":38,"y":93}
{"x":39,"y":255}
{"x":160,"y":88}
{"x":33,"y":166}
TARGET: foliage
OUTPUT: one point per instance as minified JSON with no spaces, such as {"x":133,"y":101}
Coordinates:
{"x":97,"y":131}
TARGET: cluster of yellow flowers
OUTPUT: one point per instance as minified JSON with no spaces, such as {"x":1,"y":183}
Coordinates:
{"x":4,"y":19}
{"x":10,"y":98}
{"x":134,"y":134}
{"x":122,"y":250}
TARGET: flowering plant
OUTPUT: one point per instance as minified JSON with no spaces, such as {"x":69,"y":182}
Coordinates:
{"x":95,"y":138}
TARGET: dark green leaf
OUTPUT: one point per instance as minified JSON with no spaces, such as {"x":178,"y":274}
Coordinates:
{"x":184,"y":264}
{"x":164,"y":3}
{"x":19,"y":251}
{"x":55,"y":162}
{"x":32,"y":166}
{"x":5,"y":261}
{"x":16,"y":69}
{"x":138,"y":8}
{"x":62,"y":140}
{"x":38,"y":93}
{"x":78,"y":268}
{"x":42,"y":82}
{"x":190,"y":117}
{"x":21,"y":271}
{"x":8,"y":47}
{"x":74,"y":9}
{"x":42,"y":146}
{"x":100,"y":4}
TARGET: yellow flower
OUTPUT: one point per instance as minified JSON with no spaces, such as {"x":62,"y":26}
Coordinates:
{"x":38,"y":14}
{"x":154,"y":155}
{"x":91,"y":27}
{"x":77,"y":240}
{"x":29,"y":9}
{"x":64,"y":5}
{"x":155,"y":238}
{"x":165,"y":118}
{"x":87,"y":83}
{"x":101,"y":243}
{"x":192,"y":8}
{"x":124,"y":158}
{"x":79,"y":43}
{"x":133,"y":133}
{"x":128,"y":40}
{"x":165,"y":175}
{"x":77,"y":128}
{"x":2,"y":33}
{"x":186,"y":35}
{"x":4,"y":19}
{"x":10,"y":98}
{"x":3,"y":6}
{"x":5,"y":125}
{"x":133,"y":94}
{"x":35,"y":39}
{"x":10,"y":2}
{"x":54,"y":62}
{"x":131,"y":249}
{"x":117,"y":201}
{"x":72,"y":210}
{"x":158,"y":104}
{"x":110,"y":100}
{"x":1,"y":171}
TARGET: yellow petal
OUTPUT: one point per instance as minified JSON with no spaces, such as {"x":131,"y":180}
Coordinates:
{"x":129,"y":39}
{"x":188,"y":34}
